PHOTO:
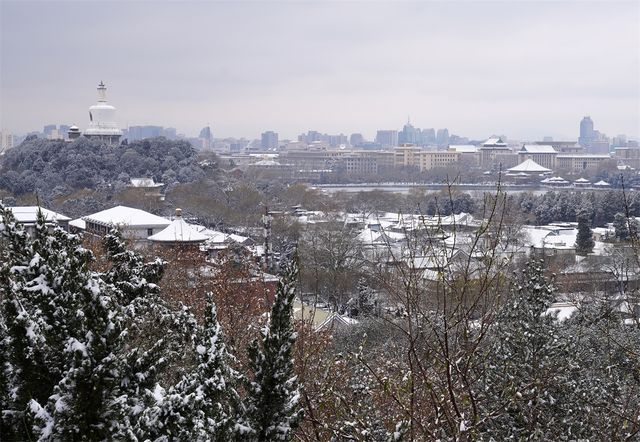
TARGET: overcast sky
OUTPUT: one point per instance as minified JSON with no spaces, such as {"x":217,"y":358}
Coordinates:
{"x":524,"y":69}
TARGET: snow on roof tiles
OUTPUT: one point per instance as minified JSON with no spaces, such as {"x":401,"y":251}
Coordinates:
{"x":28,"y":214}
{"x":179,"y":231}
{"x":145,"y":182}
{"x":128,"y":216}
{"x":78,"y":223}
{"x":495,"y":142}
{"x":463,"y":148}
{"x":529,"y":166}
{"x":537,"y":148}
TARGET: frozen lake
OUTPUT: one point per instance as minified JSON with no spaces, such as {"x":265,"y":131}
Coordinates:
{"x":404,"y":188}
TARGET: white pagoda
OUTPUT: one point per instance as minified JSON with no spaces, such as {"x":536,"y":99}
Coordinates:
{"x":102,"y":120}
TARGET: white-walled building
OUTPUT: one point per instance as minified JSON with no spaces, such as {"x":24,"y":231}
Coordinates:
{"x":133,"y":223}
{"x":27,"y":215}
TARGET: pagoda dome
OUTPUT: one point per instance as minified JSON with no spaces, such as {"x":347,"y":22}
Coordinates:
{"x":102,"y":117}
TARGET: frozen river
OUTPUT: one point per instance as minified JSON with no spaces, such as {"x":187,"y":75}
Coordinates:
{"x":404,"y":188}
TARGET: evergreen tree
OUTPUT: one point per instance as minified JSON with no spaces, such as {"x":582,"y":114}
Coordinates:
{"x":621,"y":226}
{"x":634,"y":229}
{"x":527,"y":373}
{"x":272,"y":402}
{"x":584,"y":240}
{"x":134,"y":278}
{"x":68,"y":368}
{"x":38,"y":282}
{"x":215,"y":383}
{"x":204,"y":405}
{"x":365,"y":302}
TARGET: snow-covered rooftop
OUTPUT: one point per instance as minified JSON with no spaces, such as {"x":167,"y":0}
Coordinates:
{"x":214,"y":237}
{"x":555,"y":180}
{"x":529,"y":166}
{"x":537,"y":148}
{"x":585,"y":156}
{"x":128,"y":216}
{"x":463,"y":148}
{"x":78,"y":223}
{"x":145,"y":182}
{"x":178,"y":231}
{"x":266,"y":162}
{"x":29,"y":214}
{"x":495,"y":142}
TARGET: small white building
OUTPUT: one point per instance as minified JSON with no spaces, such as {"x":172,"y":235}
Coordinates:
{"x":179,"y":232}
{"x":133,"y":223}
{"x":27,"y":215}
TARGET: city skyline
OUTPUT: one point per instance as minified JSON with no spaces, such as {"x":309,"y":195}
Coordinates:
{"x":155,"y":130}
{"x":336,"y":68}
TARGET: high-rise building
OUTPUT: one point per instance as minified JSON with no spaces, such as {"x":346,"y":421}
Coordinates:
{"x":206,"y":133}
{"x":594,"y":141}
{"x":458,"y":140}
{"x":7,"y":141}
{"x":64,"y":129}
{"x":48,"y":129}
{"x":587,"y":135}
{"x":269,"y":140}
{"x":408,"y":134}
{"x":429,"y":136}
{"x":311,"y":136}
{"x":141,"y":132}
{"x":337,"y":140}
{"x":170,"y":133}
{"x":387,"y":138}
{"x":442,"y":137}
{"x":206,"y":138}
{"x":55,"y":134}
{"x":356,"y":139}
{"x":619,"y":141}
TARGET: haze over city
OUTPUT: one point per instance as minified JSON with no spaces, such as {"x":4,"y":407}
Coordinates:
{"x":525,"y":69}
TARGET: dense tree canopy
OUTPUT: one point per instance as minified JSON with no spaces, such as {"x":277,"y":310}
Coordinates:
{"x":53,"y":167}
{"x":88,"y":355}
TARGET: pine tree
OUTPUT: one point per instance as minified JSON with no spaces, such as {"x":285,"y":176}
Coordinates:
{"x":584,"y":240}
{"x":366,"y":299}
{"x":69,"y":370}
{"x":272,"y":402}
{"x":37,"y":278}
{"x":364,"y":304}
{"x":527,"y":371}
{"x":134,"y":278}
{"x":621,"y":226}
{"x":204,"y":405}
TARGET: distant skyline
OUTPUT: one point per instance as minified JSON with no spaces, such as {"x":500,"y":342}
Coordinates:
{"x":524,"y":69}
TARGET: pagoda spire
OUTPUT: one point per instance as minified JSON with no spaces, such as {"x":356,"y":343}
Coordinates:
{"x":102,"y":92}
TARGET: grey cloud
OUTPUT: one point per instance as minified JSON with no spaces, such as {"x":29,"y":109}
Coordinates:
{"x":476,"y":67}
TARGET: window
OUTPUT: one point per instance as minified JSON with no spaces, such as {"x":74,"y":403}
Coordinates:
{"x":149,"y":232}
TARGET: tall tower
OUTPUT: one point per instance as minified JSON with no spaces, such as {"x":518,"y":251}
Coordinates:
{"x":586,"y":132}
{"x":102,"y":120}
{"x":408,"y":134}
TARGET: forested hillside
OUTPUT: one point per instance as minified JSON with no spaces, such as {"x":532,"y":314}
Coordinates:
{"x":55,"y":168}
